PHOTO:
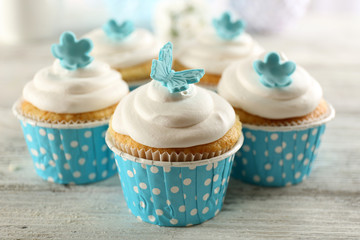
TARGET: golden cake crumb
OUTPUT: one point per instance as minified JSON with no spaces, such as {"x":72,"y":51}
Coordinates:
{"x":248,"y":118}
{"x":223,"y":144}
{"x":37,"y":114}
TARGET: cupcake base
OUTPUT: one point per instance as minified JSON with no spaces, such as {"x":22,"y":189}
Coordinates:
{"x":174,"y":193}
{"x":68,"y":153}
{"x":279,"y":156}
{"x":277,"y":159}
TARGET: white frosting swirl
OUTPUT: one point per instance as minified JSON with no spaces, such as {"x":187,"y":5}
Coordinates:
{"x":154,"y":117}
{"x":139,"y":47}
{"x":240,"y":85}
{"x":214,"y":54}
{"x":92,"y":88}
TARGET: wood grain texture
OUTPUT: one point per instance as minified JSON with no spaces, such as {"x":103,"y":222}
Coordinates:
{"x":325,"y":206}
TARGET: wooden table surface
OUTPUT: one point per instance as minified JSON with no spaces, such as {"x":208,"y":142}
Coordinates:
{"x":325,"y":206}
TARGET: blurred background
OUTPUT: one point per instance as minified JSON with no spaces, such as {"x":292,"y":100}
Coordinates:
{"x":26,"y":21}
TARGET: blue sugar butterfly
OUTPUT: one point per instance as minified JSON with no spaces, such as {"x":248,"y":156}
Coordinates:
{"x":72,"y":53}
{"x":226,"y":29}
{"x":174,"y":81}
{"x":117,"y":31}
{"x":272,"y":72}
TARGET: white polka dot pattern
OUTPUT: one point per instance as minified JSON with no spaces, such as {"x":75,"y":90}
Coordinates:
{"x":171,"y":196}
{"x":156,"y":191}
{"x":29,"y":138}
{"x":174,"y":189}
{"x":81,"y":161}
{"x":51,"y":137}
{"x":151,"y":218}
{"x":182,"y":208}
{"x":42,"y":150}
{"x":85,"y":148}
{"x":154,"y":169}
{"x":74,"y":144}
{"x":143,"y":185}
{"x":277,"y":158}
{"x":68,"y":155}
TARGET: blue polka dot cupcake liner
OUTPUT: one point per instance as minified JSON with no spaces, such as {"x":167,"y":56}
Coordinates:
{"x":68,"y":153}
{"x":278,"y":156}
{"x":174,"y":194}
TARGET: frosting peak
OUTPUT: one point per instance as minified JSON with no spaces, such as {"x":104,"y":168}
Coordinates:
{"x":138,"y":47}
{"x":168,"y":102}
{"x":242,"y":87}
{"x":154,"y":117}
{"x":214,"y":54}
{"x":87,"y":89}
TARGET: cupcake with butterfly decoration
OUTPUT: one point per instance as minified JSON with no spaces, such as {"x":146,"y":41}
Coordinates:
{"x":174,"y":145}
{"x":64,"y":113}
{"x":216,"y":48}
{"x":127,"y":49}
{"x":284,"y":114}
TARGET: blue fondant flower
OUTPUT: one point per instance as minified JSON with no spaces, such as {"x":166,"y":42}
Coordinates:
{"x":72,"y":53}
{"x":174,"y":81}
{"x":272,"y":72}
{"x":226,"y":29}
{"x":117,"y":31}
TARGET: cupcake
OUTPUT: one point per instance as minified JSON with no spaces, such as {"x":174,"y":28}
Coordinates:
{"x":216,"y":48}
{"x":283,"y":114}
{"x":174,"y":145}
{"x":64,"y":113}
{"x":125,"y":49}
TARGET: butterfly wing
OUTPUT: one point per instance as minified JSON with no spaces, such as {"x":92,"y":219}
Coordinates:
{"x":161,"y":68}
{"x":174,"y":81}
{"x":181,"y":80}
{"x":190,"y":76}
{"x":177,"y":85}
{"x":166,"y":55}
{"x":159,"y":71}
